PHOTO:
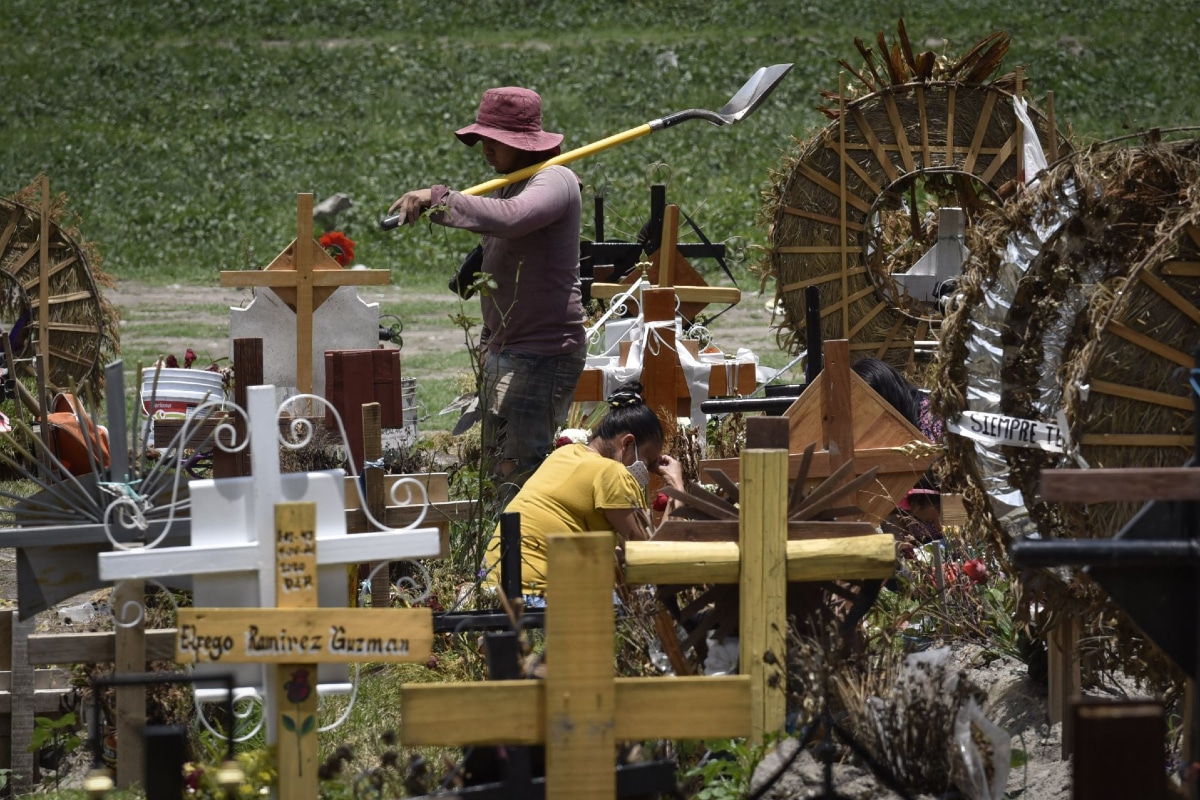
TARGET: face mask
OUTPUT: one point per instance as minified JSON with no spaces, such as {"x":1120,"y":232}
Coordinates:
{"x":638,"y":469}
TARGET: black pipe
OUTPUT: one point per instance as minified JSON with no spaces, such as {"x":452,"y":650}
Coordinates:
{"x":1027,"y":553}
{"x":812,"y":325}
{"x":510,"y":555}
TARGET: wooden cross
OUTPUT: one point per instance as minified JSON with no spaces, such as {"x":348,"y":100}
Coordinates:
{"x":304,"y":276}
{"x":760,"y":551}
{"x":233,"y":565}
{"x":294,"y":637}
{"x":670,"y":270}
{"x":850,"y":422}
{"x":579,"y":711}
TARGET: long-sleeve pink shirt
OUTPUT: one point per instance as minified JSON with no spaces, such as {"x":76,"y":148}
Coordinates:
{"x":531,"y":248}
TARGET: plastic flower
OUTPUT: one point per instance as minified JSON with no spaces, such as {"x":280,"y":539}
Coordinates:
{"x":338,"y":245}
{"x":660,"y":502}
{"x":976,"y":570}
{"x":571,"y":436}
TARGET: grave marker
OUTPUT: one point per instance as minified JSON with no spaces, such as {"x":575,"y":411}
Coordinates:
{"x":304,"y":276}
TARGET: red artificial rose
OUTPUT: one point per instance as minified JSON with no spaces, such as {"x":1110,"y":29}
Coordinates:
{"x":976,"y":570}
{"x":338,"y":245}
{"x":660,"y":502}
{"x":189,"y":357}
{"x":562,"y":441}
{"x":172,"y":362}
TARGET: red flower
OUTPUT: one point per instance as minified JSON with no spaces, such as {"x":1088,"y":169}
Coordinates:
{"x":562,"y":441}
{"x":338,"y":245}
{"x":189,"y":357}
{"x":976,"y":570}
{"x":172,"y":362}
{"x":660,"y":502}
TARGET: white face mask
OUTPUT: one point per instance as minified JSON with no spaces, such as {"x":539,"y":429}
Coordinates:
{"x":638,"y":469}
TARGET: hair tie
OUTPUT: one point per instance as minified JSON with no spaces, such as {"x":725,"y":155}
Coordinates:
{"x":624,"y":398}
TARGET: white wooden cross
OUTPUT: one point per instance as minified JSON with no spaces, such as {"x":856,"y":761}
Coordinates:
{"x":233,"y":551}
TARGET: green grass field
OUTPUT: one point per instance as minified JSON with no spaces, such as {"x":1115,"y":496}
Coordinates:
{"x":181,"y":131}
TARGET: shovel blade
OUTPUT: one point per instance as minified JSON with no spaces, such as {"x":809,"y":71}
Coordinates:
{"x":753,"y":93}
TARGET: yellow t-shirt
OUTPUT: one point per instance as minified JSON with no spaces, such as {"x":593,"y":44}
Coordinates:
{"x":568,"y":494}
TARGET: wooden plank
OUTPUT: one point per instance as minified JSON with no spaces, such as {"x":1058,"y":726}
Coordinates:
{"x":294,"y":679}
{"x":371,"y":415}
{"x":828,"y":277}
{"x":1141,"y":394}
{"x":836,"y":408}
{"x":682,"y":708}
{"x":867,"y":179}
{"x":825,"y":183}
{"x":898,"y":132}
{"x":43,"y":304}
{"x":1181,"y":269}
{"x":95,"y":648}
{"x":130,"y":645}
{"x":810,"y":249}
{"x":919,"y":91}
{"x":822,"y":218}
{"x":1118,"y":749}
{"x":762,"y":648}
{"x":885,"y":162}
{"x":304,"y":297}
{"x":1122,"y":484}
{"x":866,"y":319}
{"x":668,"y":243}
{"x":950,"y":98}
{"x":580,"y":694}
{"x":1164,"y":290}
{"x":886,"y":459}
{"x":60,"y":299}
{"x":1147,"y":343}
{"x":1136,"y":440}
{"x":847,"y":558}
{"x":324,"y":278}
{"x":311,"y":635}
{"x":21,"y":706}
{"x":985,"y":118}
{"x":32,"y":284}
{"x":496,"y":712}
{"x":1063,"y":676}
{"x":998,"y":161}
{"x":687,"y":530}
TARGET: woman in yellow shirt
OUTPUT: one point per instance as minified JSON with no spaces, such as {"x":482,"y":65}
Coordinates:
{"x":598,"y":486}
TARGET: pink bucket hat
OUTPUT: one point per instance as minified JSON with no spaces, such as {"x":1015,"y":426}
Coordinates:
{"x":511,"y":115}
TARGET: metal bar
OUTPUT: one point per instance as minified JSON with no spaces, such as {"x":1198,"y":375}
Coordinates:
{"x":1108,"y":553}
{"x":510,"y":555}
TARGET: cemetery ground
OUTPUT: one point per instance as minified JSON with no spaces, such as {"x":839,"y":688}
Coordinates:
{"x":975,"y":624}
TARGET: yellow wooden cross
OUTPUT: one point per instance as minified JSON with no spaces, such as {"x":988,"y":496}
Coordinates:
{"x":296,"y":636}
{"x":304,"y":276}
{"x":579,"y":711}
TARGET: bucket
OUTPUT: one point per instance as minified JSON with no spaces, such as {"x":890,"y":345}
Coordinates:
{"x":179,"y":391}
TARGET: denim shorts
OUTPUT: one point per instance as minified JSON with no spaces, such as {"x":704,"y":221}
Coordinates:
{"x":525,"y":398}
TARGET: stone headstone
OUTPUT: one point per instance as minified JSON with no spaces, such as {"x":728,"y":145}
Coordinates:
{"x":343,"y":322}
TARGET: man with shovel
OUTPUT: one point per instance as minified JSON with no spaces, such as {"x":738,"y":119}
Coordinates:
{"x":533,"y":332}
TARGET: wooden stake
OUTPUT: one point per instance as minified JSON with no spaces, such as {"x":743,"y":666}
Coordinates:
{"x":1064,"y":679}
{"x":763,"y":544}
{"x":43,"y":354}
{"x":131,"y":700}
{"x":373,"y":477}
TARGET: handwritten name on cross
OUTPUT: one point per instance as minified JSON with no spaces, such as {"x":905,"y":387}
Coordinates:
{"x":234,"y":566}
{"x":304,"y":276}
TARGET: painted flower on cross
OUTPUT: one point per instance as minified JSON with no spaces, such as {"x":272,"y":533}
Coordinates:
{"x":298,"y":689}
{"x":338,"y":245}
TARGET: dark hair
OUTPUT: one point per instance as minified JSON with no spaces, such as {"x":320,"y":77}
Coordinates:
{"x":889,"y":384}
{"x":628,"y":413}
{"x":528,"y":158}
